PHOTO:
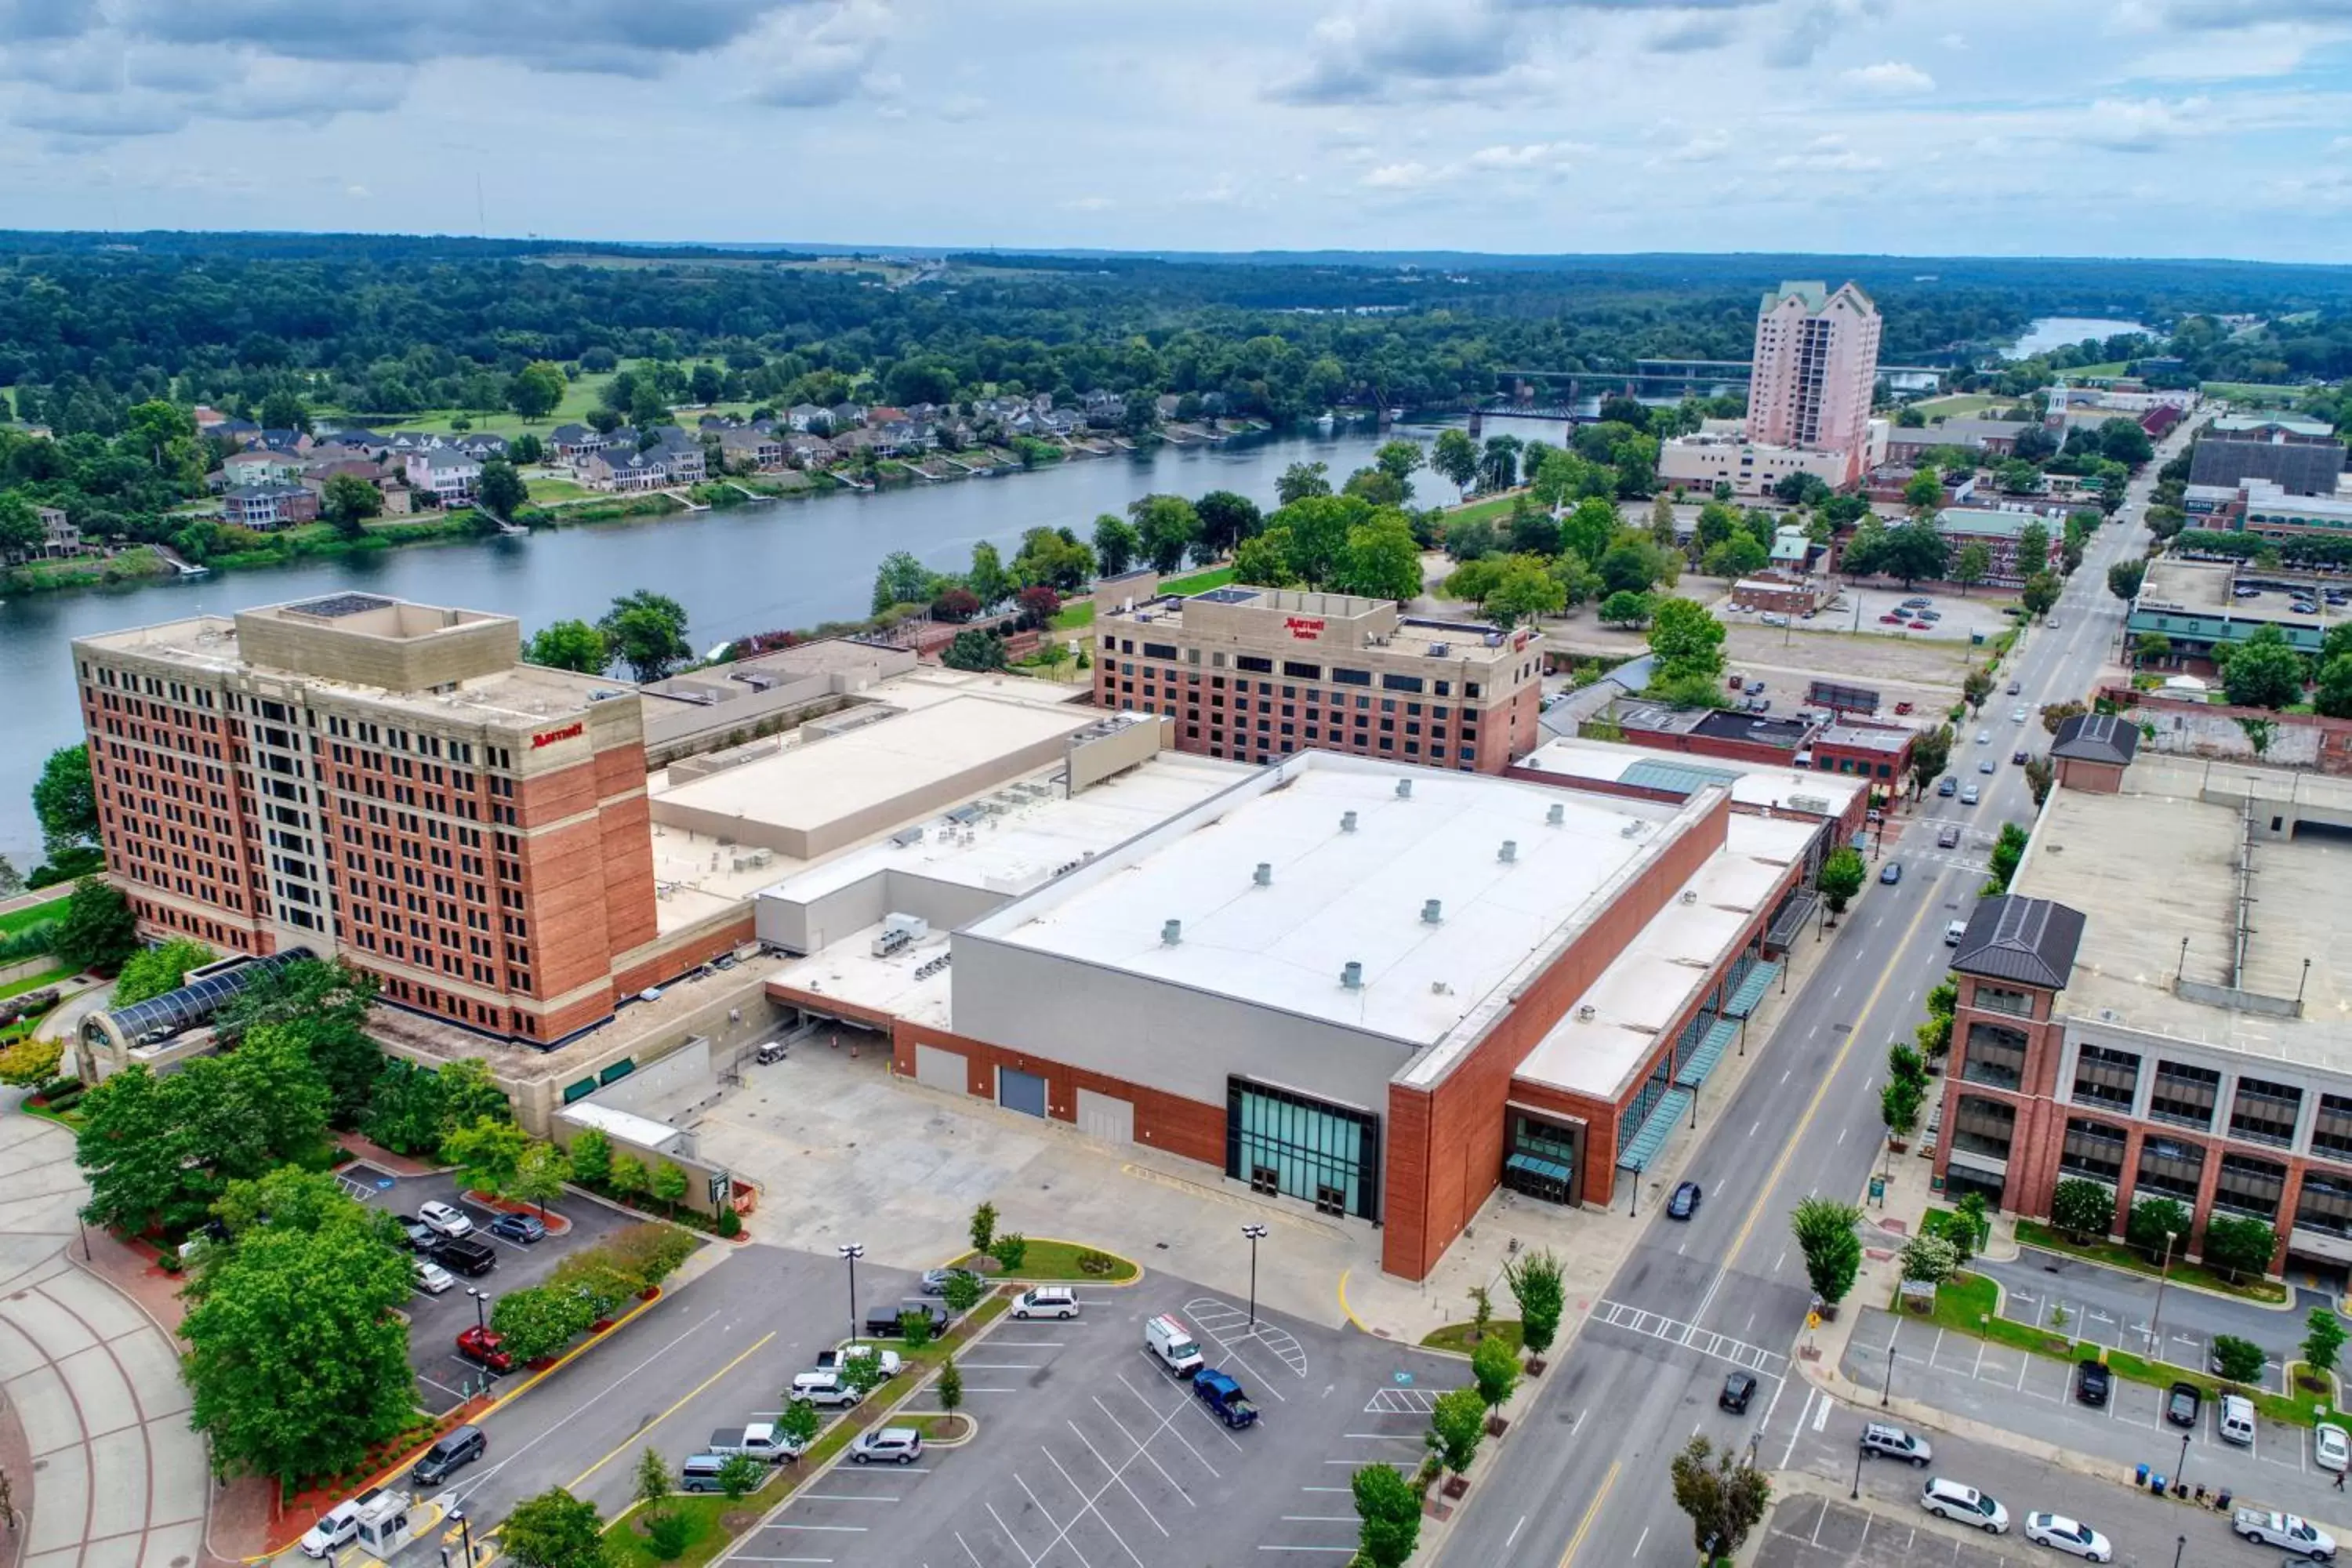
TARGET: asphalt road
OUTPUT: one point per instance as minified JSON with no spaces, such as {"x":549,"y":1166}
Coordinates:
{"x":2120,"y":1308}
{"x":1694,"y":1300}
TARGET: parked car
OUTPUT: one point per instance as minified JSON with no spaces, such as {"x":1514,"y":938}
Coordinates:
{"x":458,"y":1446}
{"x":2237,"y":1420}
{"x":1225,"y":1398}
{"x":2183,"y":1404}
{"x":1948,"y":786}
{"x":1047,"y":1302}
{"x":882,"y":1323}
{"x":887,"y":1445}
{"x":1954,"y":931}
{"x":1964,"y":1504}
{"x":699,"y":1473}
{"x":772,"y":1051}
{"x":487,"y":1347}
{"x":468,"y":1255}
{"x":1738,"y":1388}
{"x":523,"y":1227}
{"x":935,"y":1280}
{"x":1881,"y":1440}
{"x":1173,"y":1345}
{"x":2331,"y":1449}
{"x":833,"y":1361}
{"x":431,"y":1278}
{"x":2069,"y":1535}
{"x":418,"y":1235}
{"x":2285,"y":1529}
{"x":1684,"y":1204}
{"x":445,"y":1219}
{"x":825,"y":1390}
{"x":1891,"y":873}
{"x":337,"y":1527}
{"x":2092,"y":1381}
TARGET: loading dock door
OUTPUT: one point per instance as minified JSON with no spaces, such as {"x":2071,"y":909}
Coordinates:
{"x":1106,"y":1117}
{"x":1018,"y":1090}
{"x":937,"y":1067}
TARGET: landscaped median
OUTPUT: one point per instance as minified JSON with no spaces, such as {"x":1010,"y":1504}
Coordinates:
{"x":2124,"y":1256}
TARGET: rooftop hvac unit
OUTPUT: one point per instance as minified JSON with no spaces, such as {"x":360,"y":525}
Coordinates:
{"x":1630,"y":830}
{"x":1556,"y":815}
{"x":1587,"y":1012}
{"x":1264,"y":875}
{"x":907,"y":836}
{"x":1347,"y":821}
{"x":1690,"y":895}
{"x":1351,"y":975}
{"x":891,"y":941}
{"x":1440,"y":649}
{"x":1404,"y":789}
{"x":1818,"y":804}
{"x":1509,"y":852}
{"x":915,"y":926}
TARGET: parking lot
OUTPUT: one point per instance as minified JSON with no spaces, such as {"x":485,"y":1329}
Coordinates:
{"x":2130,"y":1330}
{"x":444,"y":1379}
{"x":1817,"y":1532}
{"x":1089,"y":1455}
{"x":2024,"y":1393}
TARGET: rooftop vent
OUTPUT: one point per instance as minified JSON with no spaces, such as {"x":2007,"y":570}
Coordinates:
{"x":1432,"y":911}
{"x":1171,"y":932}
{"x":1351,"y":975}
{"x":1347,"y":821}
{"x":1509,"y":852}
{"x":1586,"y":1014}
{"x":1690,"y":895}
{"x":1264,"y":875}
{"x":1404,"y":789}
{"x":1440,"y":649}
{"x":1556,"y":814}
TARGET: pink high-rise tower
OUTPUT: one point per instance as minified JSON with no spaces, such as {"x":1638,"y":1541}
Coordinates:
{"x":1816,"y":366}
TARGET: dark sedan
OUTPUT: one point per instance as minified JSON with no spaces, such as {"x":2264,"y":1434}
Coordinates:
{"x":1684,"y":1202}
{"x":2091,"y":1381}
{"x":418,"y":1235}
{"x":1738,"y":1388}
{"x":2182,"y":1404}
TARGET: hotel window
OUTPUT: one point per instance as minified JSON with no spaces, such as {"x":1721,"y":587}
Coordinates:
{"x":1258,"y":663}
{"x":2105,"y":1076}
{"x":2331,"y":1126}
{"x":2093,"y":1149}
{"x":1160,"y":650}
{"x":1981,"y":1126}
{"x":2247,"y":1185}
{"x":1302,"y":670}
{"x":2324,"y":1204}
{"x":2184,"y":1095}
{"x":1994,"y":1055}
{"x":2170,"y":1169}
{"x":1352,"y":677}
{"x":2266,"y":1112}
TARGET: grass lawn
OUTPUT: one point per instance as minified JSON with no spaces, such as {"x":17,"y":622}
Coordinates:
{"x":33,"y":915}
{"x":34,"y":983}
{"x":1080,"y":615}
{"x":1959,"y":405}
{"x":2116,"y":1255}
{"x":1057,"y":1262}
{"x":1461,"y":1336}
{"x":1494,"y":508}
{"x":2113,"y":367}
{"x":706,"y":1537}
{"x":555,"y":490}
{"x":2255,"y":391}
{"x":579,"y":397}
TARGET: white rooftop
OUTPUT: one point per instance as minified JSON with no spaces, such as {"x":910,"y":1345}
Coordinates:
{"x":1338,"y":897}
{"x":1639,"y":995}
{"x":1753,"y":784}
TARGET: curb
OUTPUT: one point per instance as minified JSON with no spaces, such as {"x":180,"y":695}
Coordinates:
{"x":1015,"y":1276}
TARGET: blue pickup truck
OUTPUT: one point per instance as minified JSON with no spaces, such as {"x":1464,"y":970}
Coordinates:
{"x":1223,"y":1397}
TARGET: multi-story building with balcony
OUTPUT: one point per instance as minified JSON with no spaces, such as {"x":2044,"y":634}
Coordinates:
{"x":384,"y":782}
{"x":1256,"y":674}
{"x":2158,"y":1006}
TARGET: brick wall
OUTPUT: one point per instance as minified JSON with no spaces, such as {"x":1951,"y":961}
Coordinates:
{"x":1179,"y":1126}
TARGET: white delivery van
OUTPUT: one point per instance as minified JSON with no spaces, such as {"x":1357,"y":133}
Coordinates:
{"x":1172,"y":1343}
{"x":2237,"y":1419}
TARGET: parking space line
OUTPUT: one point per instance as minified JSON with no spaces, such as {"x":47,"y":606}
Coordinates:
{"x":847,"y":1497}
{"x":835,"y":1529}
{"x":1149,"y":1458}
{"x":1094,"y":1506}
{"x":1120,"y":1475}
{"x":1007,"y":1530}
{"x":1169,"y":1428}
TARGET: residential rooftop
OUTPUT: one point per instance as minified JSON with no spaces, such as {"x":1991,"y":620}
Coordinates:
{"x":2159,"y":863}
{"x":1756,"y":786}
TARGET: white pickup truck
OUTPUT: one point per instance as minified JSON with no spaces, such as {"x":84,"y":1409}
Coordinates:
{"x":2285,"y":1529}
{"x":760,"y":1441}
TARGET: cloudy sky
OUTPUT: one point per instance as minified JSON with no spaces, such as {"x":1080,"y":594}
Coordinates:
{"x":2147,"y":126}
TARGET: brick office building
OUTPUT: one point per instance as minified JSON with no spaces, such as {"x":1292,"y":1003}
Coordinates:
{"x":384,"y":782}
{"x":1256,"y":674}
{"x":2123,"y":1018}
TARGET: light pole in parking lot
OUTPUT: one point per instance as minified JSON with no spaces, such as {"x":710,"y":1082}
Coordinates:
{"x":2155,"y":1330}
{"x":850,"y":1253}
{"x":1854,"y":1495}
{"x":481,"y":1308}
{"x":2178,"y":1488}
{"x":1257,"y":1232}
{"x":465,"y":1531}
{"x":2179,"y":1545}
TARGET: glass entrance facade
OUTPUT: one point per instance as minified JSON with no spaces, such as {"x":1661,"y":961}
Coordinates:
{"x":1279,"y":1141}
{"x":1543,"y":1157}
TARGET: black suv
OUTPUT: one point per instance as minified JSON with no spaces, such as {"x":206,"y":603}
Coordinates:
{"x":2091,"y":1381}
{"x":882,"y":1323}
{"x":1738,"y":1388}
{"x":467,"y":1256}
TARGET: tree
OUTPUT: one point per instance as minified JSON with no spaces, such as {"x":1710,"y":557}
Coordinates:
{"x":1523,"y":589}
{"x":983,"y":1227}
{"x":1116,"y":544}
{"x":1975,"y":687}
{"x":1264,"y":562}
{"x":2150,"y":647}
{"x":2125,"y":577}
{"x":1687,"y":640}
{"x":152,"y":971}
{"x":1498,"y":462}
{"x":569,"y":644}
{"x":1925,"y":491}
{"x":2263,"y":672}
{"x":590,"y":1155}
{"x":800,"y":1421}
{"x":2083,"y":1208}
{"x":1166,"y":527}
{"x":539,"y":1320}
{"x":2238,"y":1244}
{"x":1737,"y":557}
{"x":1456,"y":456}
{"x":2323,"y":1341}
{"x":2333,"y":694}
{"x":536,"y":390}
{"x":1723,"y":1499}
{"x":297,"y":1361}
{"x":65,"y":800}
{"x":653,"y":1477}
{"x":1971,"y":565}
{"x":902,"y":580}
{"x":2008,"y":851}
{"x":486,"y":1155}
{"x":98,"y":930}
{"x":2055,"y":714}
{"x":2040,"y":774}
{"x":1381,"y":561}
{"x":948,"y":1389}
{"x":1457,"y":1420}
{"x":1931,"y":754}
{"x":2238,"y":1361}
{"x":740,"y":1475}
{"x":647,"y":633}
{"x":1929,"y":1260}
{"x":501,"y":489}
{"x":1898,"y":1107}
{"x":1495,"y":1369}
{"x":539,"y":1176}
{"x":988,"y":580}
{"x":974,"y":649}
{"x":1388,"y":1508}
{"x":2125,"y":441}
{"x":2157,"y":1225}
{"x":1839,"y":878}
{"x":1227,"y":519}
{"x":1588,"y":529}
{"x":556,"y":1530}
{"x":349,"y":501}
{"x":1536,"y":1286}
{"x":2040,"y":594}
{"x":915,"y":1328}
{"x":1824,"y":1229}
{"x":1301,"y":480}
{"x":955,"y":604}
{"x":1623,"y":609}
{"x":667,"y":1183}
{"x":283,"y":410}
{"x":1011,"y":1250}
{"x":1052,"y":558}
{"x":1909,"y":551}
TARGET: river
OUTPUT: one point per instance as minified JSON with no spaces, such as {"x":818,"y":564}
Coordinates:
{"x":746,"y":569}
{"x":2061,"y":332}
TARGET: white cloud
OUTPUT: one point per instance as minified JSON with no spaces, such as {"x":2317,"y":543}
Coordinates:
{"x":1706,"y":147}
{"x":1402,"y":177}
{"x":1087,"y":204}
{"x":1891,"y":79}
{"x":794,"y":65}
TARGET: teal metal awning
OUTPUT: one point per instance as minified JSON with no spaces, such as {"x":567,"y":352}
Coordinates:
{"x":1701,"y":1062}
{"x":1751,"y":990}
{"x":1536,"y":1165}
{"x":1672,"y":1110}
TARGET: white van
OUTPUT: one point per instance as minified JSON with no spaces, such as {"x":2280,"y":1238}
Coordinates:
{"x":1953,"y":932}
{"x":2237,"y":1422}
{"x":1172,"y":1343}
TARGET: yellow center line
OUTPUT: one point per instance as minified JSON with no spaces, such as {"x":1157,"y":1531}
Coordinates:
{"x":573,"y":1485}
{"x":1584,"y":1525}
{"x":1820,"y":1090}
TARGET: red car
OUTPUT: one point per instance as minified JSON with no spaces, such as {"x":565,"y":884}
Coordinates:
{"x":486,"y":1346}
{"x":1922,"y":627}
{"x":1890,"y":620}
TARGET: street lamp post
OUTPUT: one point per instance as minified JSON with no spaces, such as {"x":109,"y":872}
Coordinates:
{"x":850,"y":1253}
{"x":1887,"y":1389}
{"x":2155,"y":1317}
{"x":1257,"y":1232}
{"x":1635,"y":1212}
{"x":465,"y":1531}
{"x":2179,"y":1545}
{"x":481,"y":1308}
{"x":1854,"y":1492}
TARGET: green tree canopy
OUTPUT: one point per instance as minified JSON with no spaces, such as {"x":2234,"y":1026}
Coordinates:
{"x":1841,"y":877}
{"x":1116,"y":544}
{"x":152,"y":971}
{"x":536,"y":390}
{"x":1825,"y":1229}
{"x":1381,"y":561}
{"x":1686,"y":640}
{"x":647,"y":633}
{"x":501,"y":489}
{"x":556,"y":1530}
{"x":65,"y":800}
{"x":98,"y":930}
{"x":2263,"y":672}
{"x":349,"y":501}
{"x":569,"y":644}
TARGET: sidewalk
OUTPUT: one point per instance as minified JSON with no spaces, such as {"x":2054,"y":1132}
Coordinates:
{"x":1591,"y":1244}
